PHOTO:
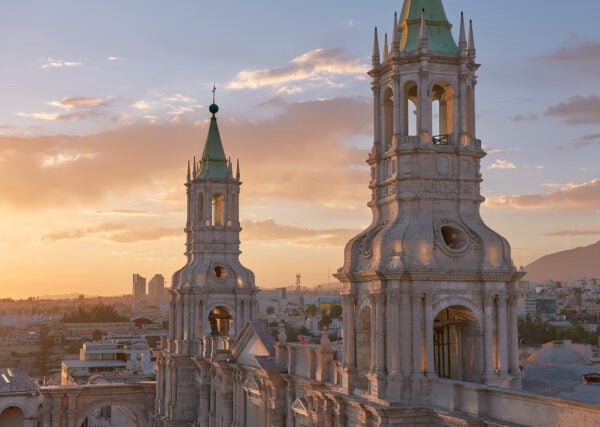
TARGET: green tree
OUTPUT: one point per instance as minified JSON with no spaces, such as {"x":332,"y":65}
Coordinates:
{"x":42,"y":356}
{"x":336,"y":311}
{"x":270,"y":310}
{"x":311,"y":309}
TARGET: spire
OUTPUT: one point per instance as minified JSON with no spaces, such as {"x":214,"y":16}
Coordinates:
{"x":471,"y":44}
{"x":237,"y":170}
{"x":395,"y":39}
{"x":188,"y":172}
{"x":423,"y":27}
{"x":438,"y":28}
{"x":194,"y":174}
{"x":462,"y":39}
{"x":213,"y":162}
{"x":375,"y":57}
{"x":385,"y":47}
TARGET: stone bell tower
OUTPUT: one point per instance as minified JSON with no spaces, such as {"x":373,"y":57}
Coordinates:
{"x":429,"y":290}
{"x":212,"y":296}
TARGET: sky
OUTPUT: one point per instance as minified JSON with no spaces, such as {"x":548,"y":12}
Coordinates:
{"x":103,"y":102}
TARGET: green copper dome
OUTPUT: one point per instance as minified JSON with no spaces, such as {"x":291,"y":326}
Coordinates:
{"x":438,"y":28}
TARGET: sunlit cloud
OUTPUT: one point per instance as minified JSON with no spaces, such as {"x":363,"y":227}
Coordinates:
{"x":573,"y":233}
{"x":142,"y":105}
{"x":579,"y":196}
{"x":269,"y":230}
{"x":317,"y":66}
{"x":58,"y":63}
{"x":79,"y":102}
{"x":502,"y":164}
{"x":114,"y":58}
{"x":123,"y":212}
{"x":112,"y":232}
{"x":577,"y":110}
{"x":39,"y":116}
{"x":64,"y":158}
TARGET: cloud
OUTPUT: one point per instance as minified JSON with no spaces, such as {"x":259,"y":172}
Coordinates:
{"x":587,"y":140}
{"x":577,"y":50}
{"x":579,"y":196}
{"x":317,"y":66}
{"x":113,"y":232}
{"x":572,"y":233}
{"x":152,"y":158}
{"x":269,"y":230}
{"x":528,"y":118}
{"x":58,"y":63}
{"x":114,"y":58}
{"x":39,"y":116}
{"x":79,"y":102}
{"x":502,"y":164}
{"x":350,"y":25}
{"x":124,"y":212}
{"x":578,"y":110}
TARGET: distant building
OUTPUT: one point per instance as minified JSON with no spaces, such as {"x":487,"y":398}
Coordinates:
{"x":139,"y":287}
{"x":156,"y":288}
{"x":540,"y":306}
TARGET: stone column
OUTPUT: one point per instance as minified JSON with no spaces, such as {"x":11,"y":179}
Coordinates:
{"x":227,"y":399}
{"x":351,"y":332}
{"x":488,"y":344}
{"x":186,"y":316}
{"x":392,"y":333}
{"x":513,"y":356}
{"x":377,"y":114}
{"x":429,"y":336}
{"x":374,"y":333}
{"x":502,"y":333}
{"x":417,"y":320}
{"x":398,"y":116}
{"x":179,"y":317}
{"x":380,"y":328}
{"x":405,"y":333}
{"x":424,"y":113}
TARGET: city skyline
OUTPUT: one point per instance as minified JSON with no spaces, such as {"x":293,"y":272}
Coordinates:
{"x":105,"y":103}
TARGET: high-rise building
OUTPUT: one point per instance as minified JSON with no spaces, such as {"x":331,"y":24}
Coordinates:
{"x":139,"y":287}
{"x":156,"y":288}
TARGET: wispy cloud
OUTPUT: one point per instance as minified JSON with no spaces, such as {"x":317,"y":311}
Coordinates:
{"x":79,"y":102}
{"x":576,"y":50}
{"x":320,"y":66}
{"x":584,"y":195}
{"x":60,"y":159}
{"x":114,"y":58}
{"x":59,"y":63}
{"x":524,"y":118}
{"x":502,"y":164}
{"x":572,"y":233}
{"x":39,"y":116}
{"x":113,"y":232}
{"x":577,"y":110}
{"x":587,"y":140}
{"x":269,"y":230}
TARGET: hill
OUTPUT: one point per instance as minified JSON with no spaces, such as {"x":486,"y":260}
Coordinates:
{"x":566,"y":265}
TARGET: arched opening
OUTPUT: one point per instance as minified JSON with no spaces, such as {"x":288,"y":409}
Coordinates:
{"x":200,"y":207}
{"x":388,"y":117}
{"x":220,"y":319}
{"x":363,"y":345}
{"x":442,"y":98}
{"x":111,"y":416}
{"x":12,"y":416}
{"x":409,"y":109}
{"x":457,"y":350}
{"x":218,"y":210}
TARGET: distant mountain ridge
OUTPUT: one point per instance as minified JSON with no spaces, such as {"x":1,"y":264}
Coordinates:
{"x":566,"y":265}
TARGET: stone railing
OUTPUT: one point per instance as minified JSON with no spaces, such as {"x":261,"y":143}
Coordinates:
{"x":310,"y":361}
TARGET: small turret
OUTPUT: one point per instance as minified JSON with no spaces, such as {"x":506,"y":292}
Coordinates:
{"x":375,"y":57}
{"x":385,"y":47}
{"x":462,"y":39}
{"x":471,"y":44}
{"x":395,"y":38}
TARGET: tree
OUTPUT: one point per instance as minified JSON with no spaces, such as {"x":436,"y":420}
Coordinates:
{"x":97,"y":335}
{"x":336,"y":311}
{"x":270,"y":310}
{"x":311,"y":309}
{"x":45,"y":344}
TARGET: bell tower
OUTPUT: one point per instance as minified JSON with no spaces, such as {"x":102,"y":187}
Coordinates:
{"x":429,"y":290}
{"x":213,"y":295}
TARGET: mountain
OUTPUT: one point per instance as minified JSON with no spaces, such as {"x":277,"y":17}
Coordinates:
{"x":566,"y":265}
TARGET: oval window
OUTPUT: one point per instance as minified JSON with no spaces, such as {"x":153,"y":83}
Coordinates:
{"x":454,"y":238}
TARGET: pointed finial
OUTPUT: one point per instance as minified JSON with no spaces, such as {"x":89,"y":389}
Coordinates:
{"x":188,"y":172}
{"x":213,"y":108}
{"x":385,"y":47}
{"x":194,"y":170}
{"x":462,"y":39}
{"x":471,"y":44}
{"x":395,"y":34}
{"x":237,"y":170}
{"x":375,"y":57}
{"x":229,"y":168}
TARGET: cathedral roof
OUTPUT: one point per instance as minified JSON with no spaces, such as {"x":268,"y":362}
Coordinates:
{"x":213,"y":163}
{"x":437,"y":28}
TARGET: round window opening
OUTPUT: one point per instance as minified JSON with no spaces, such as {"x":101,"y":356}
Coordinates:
{"x":454,"y":238}
{"x":220,"y":272}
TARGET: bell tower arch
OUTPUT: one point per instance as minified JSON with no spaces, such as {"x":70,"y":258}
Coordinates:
{"x":427,"y":246}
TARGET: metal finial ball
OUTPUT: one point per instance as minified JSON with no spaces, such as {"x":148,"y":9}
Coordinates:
{"x":213,"y":108}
